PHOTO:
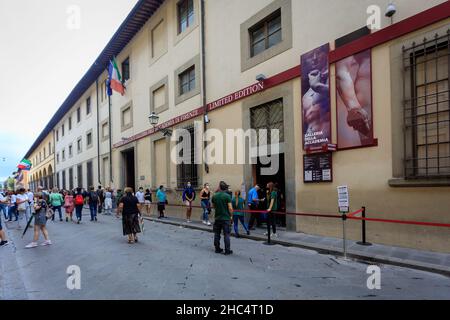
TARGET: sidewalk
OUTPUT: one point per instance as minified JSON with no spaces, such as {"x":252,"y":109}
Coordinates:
{"x":404,"y":257}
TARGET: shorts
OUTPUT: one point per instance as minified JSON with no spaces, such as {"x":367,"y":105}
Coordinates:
{"x":147,"y":202}
{"x":161,"y":206}
{"x":188,"y":204}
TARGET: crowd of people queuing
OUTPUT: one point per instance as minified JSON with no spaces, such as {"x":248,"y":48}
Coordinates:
{"x":229,"y":208}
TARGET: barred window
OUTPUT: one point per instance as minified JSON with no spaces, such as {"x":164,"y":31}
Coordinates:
{"x":187,"y":172}
{"x":426,"y":108}
{"x":268,"y":116}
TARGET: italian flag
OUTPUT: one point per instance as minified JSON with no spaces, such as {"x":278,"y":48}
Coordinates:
{"x":115,"y":79}
{"x":25,"y":164}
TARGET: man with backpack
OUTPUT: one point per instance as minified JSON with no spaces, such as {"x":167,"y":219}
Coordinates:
{"x":93,"y":203}
{"x":79,"y":203}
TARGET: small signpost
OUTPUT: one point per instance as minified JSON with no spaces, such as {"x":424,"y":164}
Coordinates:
{"x":343,"y":199}
{"x":344,"y":208}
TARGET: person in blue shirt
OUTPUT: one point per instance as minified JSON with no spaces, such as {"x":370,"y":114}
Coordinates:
{"x":188,"y":198}
{"x":238,"y":205}
{"x":253,"y":204}
{"x":162,"y":201}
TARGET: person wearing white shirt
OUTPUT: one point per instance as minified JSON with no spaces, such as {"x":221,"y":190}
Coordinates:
{"x":141,"y":198}
{"x":12,"y":206}
{"x":4,"y":205}
{"x":30,"y":196}
{"x":22,"y":207}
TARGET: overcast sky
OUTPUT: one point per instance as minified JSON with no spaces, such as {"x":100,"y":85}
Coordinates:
{"x":42,"y":57}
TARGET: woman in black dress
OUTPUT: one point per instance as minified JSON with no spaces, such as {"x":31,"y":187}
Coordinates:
{"x":130,"y":215}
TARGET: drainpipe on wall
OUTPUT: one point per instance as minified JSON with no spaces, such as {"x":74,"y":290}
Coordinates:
{"x":203,"y":66}
{"x":98,"y":135}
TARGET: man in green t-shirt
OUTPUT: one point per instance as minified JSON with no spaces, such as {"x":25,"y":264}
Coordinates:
{"x":56,"y":201}
{"x":223,"y":213}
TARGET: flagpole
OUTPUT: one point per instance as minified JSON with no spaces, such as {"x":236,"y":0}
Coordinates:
{"x":110,"y":141}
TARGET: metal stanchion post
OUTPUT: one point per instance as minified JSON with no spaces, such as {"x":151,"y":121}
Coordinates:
{"x":363,"y":242}
{"x":344,"y":218}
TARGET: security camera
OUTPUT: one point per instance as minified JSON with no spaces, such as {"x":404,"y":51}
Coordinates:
{"x":260,"y":77}
{"x":391,"y":10}
{"x":206,"y":119}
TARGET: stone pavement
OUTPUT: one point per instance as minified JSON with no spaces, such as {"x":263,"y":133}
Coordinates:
{"x":405,"y":257}
{"x":172,"y":262}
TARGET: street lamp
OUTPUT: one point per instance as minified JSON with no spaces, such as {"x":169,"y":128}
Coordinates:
{"x":154,"y":119}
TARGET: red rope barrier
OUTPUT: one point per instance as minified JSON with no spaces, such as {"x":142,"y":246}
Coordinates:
{"x":429,"y":224}
{"x":350,"y":216}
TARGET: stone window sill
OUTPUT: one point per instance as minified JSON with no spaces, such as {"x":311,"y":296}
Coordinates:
{"x":417,"y":183}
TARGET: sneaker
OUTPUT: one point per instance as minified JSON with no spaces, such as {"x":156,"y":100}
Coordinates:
{"x":237,"y":235}
{"x":227,"y":253}
{"x":189,"y":221}
{"x":248,"y":233}
{"x":46,"y":243}
{"x":275,"y":235}
{"x":208,"y":223}
{"x":95,"y":219}
{"x":219,"y":250}
{"x":4,"y":243}
{"x":204,"y":222}
{"x":32,"y":245}
{"x":67,"y":219}
{"x":78,"y":222}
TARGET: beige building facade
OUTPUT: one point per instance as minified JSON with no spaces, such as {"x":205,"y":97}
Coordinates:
{"x":239,"y":63}
{"x":43,"y":165}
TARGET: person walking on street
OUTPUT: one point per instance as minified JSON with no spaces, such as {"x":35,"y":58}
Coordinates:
{"x":22,"y":207}
{"x":238,"y":216}
{"x":272,"y":201}
{"x":101,"y":199}
{"x":119,"y":196}
{"x":69,"y":205}
{"x":4,"y":205}
{"x":148,"y":201}
{"x":108,"y":202}
{"x":253,"y":202}
{"x":12,"y":206}
{"x":141,"y":198}
{"x":162,"y":201}
{"x":205,"y":196}
{"x":93,"y":203}
{"x":188,"y":198}
{"x":3,"y":239}
{"x":40,"y":221}
{"x":223,"y":213}
{"x":30,"y":208}
{"x":130,"y":215}
{"x":56,"y":201}
{"x":79,"y":203}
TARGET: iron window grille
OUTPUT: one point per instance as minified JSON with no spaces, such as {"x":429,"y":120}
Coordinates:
{"x":188,"y":172}
{"x":426,"y":70}
{"x":268,"y":116}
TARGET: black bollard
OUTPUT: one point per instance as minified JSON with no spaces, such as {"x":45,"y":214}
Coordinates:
{"x":363,"y":242}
